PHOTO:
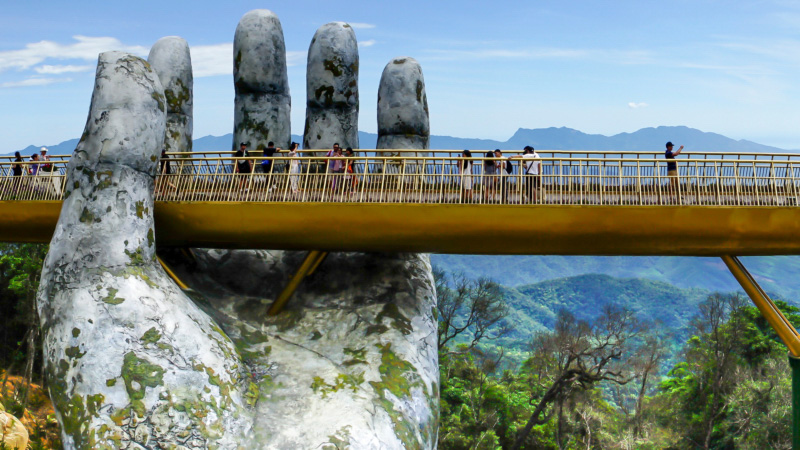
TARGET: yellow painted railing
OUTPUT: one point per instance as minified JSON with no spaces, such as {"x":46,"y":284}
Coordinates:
{"x":618,"y":178}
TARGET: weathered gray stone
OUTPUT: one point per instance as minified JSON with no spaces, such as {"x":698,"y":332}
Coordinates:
{"x":403,"y":120}
{"x":262,"y":104}
{"x":123,"y":346}
{"x":134,"y":363}
{"x":332,"y":88}
{"x":351,"y":361}
{"x":170,"y":59}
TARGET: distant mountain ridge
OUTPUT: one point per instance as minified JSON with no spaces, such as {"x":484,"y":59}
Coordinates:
{"x":776,"y":274}
{"x":562,"y":138}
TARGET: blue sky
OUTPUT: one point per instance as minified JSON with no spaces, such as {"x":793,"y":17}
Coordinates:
{"x":490,"y":67}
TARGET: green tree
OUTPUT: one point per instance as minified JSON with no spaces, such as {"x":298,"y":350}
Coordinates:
{"x":20,"y":269}
{"x":575,"y":357}
{"x":469,"y":310}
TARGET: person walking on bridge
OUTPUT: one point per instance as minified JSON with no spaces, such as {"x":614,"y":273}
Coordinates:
{"x":504,"y":169}
{"x":17,"y":168}
{"x":465,"y":168}
{"x":269,"y":152}
{"x":672,"y":166}
{"x":294,"y":168}
{"x":243,"y":167}
{"x":531,"y":168}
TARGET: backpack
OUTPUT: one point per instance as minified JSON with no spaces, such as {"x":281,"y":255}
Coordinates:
{"x":509,"y":167}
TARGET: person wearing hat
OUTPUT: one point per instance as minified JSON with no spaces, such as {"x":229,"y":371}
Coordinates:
{"x":43,"y":157}
{"x":672,"y":166}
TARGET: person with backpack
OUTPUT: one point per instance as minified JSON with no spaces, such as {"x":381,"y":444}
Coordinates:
{"x":269,"y":152}
{"x":504,"y":169}
{"x":243,"y":167}
{"x":531,"y":169}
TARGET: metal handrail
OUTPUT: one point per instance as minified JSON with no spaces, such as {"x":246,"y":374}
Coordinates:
{"x":479,"y":152}
{"x":440,"y":179}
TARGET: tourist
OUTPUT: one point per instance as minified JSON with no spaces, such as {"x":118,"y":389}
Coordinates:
{"x":672,"y":166}
{"x":243,"y":166}
{"x":165,"y":169}
{"x":33,"y":169}
{"x":489,"y":172}
{"x":47,"y":167}
{"x":331,"y":153}
{"x":269,"y":152}
{"x":337,"y":165}
{"x":503,"y":169}
{"x":17,"y":168}
{"x":294,"y":167}
{"x":350,"y":180}
{"x":165,"y":165}
{"x":532,"y":166}
{"x":466,"y":177}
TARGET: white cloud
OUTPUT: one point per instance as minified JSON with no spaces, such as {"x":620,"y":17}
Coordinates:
{"x":85,"y":48}
{"x":217,"y":59}
{"x":360,"y":25}
{"x":34,"y":82}
{"x":634,"y":105}
{"x":210,"y":60}
{"x":625,"y":57}
{"x":56,"y":70}
{"x":296,"y":58}
{"x":368,"y":43}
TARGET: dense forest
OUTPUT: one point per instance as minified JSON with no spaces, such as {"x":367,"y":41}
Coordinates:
{"x":590,"y":362}
{"x":605,"y":376}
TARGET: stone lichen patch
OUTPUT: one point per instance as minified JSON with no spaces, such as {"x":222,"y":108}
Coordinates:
{"x":138,"y":375}
{"x":111,"y":298}
{"x":398,"y":377}
{"x":343,"y":380}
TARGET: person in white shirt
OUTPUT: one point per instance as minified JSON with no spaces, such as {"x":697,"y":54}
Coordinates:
{"x":294,"y":167}
{"x":531,"y":169}
{"x":465,"y":169}
{"x":503,"y":170}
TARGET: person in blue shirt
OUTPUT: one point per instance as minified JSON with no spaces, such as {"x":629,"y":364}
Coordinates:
{"x":33,"y":169}
{"x":269,"y":152}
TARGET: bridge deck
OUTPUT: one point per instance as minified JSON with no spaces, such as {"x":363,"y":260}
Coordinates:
{"x":576,"y":205}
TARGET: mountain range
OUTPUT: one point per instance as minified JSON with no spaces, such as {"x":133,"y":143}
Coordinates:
{"x":541,"y":138}
{"x":778,"y":274}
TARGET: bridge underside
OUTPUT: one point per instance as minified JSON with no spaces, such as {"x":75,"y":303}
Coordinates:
{"x":458,"y":228}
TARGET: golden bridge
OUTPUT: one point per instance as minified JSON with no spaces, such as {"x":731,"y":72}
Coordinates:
{"x":598,"y":203}
{"x":587,"y":203}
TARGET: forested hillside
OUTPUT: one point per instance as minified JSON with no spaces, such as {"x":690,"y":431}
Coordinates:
{"x":776,"y":274}
{"x":534,"y":307}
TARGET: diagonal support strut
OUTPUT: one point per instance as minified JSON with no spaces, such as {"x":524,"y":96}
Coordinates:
{"x":782,"y":327}
{"x":768,"y":309}
{"x":312,"y":260}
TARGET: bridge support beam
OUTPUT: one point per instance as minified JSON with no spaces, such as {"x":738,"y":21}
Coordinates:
{"x":171,"y":274}
{"x":312,"y":260}
{"x":783,"y":328}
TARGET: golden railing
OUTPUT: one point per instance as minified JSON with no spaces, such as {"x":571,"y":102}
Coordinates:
{"x":704,"y":180}
{"x":38,"y":180}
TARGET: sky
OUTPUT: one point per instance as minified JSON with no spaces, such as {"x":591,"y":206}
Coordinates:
{"x":490,"y":67}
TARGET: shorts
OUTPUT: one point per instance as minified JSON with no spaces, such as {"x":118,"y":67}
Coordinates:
{"x":672,"y":173}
